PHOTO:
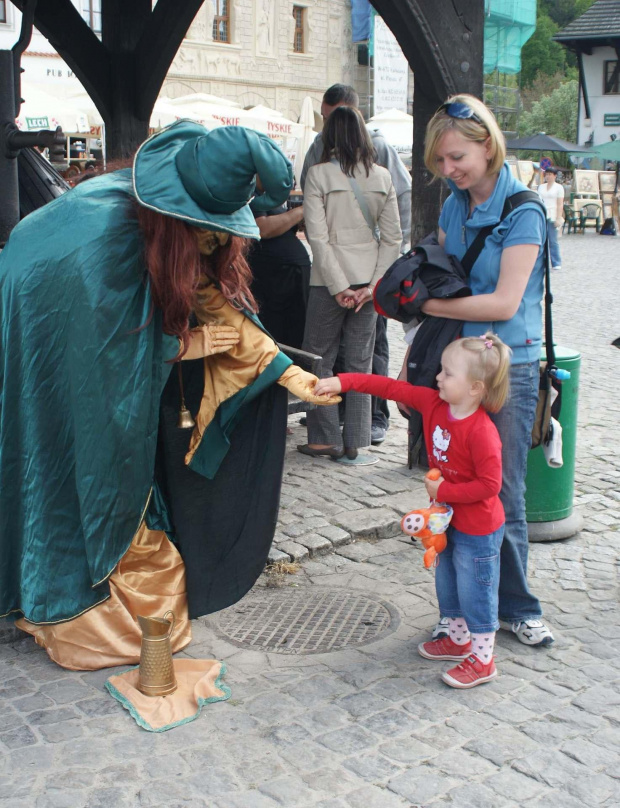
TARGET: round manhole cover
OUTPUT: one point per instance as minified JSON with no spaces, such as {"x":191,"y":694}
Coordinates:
{"x":303,"y":622}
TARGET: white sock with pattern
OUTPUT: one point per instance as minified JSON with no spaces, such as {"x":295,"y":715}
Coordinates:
{"x":459,"y":633}
{"x":482,"y":646}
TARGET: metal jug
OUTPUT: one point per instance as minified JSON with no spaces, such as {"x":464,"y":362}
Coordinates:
{"x":156,"y":674}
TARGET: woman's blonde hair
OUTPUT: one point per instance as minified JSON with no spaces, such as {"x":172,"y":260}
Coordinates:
{"x":488,"y":362}
{"x":470,"y":129}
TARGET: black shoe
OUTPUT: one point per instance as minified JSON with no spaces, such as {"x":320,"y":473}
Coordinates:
{"x":303,"y":420}
{"x":377,"y":434}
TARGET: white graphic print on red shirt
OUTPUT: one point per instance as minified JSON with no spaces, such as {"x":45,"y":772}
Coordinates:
{"x":441,"y":442}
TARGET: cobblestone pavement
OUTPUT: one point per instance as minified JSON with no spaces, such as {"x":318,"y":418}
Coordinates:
{"x":373,"y":726}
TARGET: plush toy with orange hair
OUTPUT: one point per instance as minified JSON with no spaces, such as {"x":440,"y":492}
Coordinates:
{"x":429,"y":525}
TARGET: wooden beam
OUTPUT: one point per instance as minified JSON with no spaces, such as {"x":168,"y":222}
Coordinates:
{"x":442,"y":41}
{"x":158,"y":46}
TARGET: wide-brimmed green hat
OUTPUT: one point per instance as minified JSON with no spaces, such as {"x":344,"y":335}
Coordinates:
{"x":208,"y":177}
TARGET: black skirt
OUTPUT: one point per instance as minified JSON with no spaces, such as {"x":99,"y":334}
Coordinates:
{"x":223,"y":527}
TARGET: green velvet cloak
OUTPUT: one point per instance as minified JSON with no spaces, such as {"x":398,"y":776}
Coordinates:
{"x":81,"y":380}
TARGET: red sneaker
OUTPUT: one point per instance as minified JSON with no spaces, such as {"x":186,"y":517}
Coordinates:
{"x":444,"y":648}
{"x":470,"y":672}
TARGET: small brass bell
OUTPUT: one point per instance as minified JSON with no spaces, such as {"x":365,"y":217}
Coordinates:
{"x":185,"y":420}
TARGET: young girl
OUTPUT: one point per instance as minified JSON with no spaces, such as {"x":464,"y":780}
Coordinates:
{"x":464,"y":445}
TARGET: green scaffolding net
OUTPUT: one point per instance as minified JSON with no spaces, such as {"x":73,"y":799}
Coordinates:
{"x":507,"y":27}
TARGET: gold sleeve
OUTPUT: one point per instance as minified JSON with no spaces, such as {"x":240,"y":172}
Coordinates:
{"x":227,"y":373}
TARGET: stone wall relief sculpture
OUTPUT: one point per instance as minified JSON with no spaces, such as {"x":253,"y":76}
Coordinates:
{"x":311,"y":30}
{"x":186,"y":61}
{"x":201,"y":29}
{"x":334,"y":33}
{"x":236,"y":21}
{"x":265,"y":27}
{"x":221,"y":64}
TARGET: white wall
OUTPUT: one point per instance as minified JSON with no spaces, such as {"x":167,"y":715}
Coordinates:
{"x":41,"y":63}
{"x":599,"y":103}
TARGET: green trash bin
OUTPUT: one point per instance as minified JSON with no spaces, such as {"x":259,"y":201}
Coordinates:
{"x":549,"y":494}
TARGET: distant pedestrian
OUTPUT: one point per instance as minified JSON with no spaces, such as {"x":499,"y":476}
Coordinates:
{"x":464,"y":445}
{"x":552,"y":195}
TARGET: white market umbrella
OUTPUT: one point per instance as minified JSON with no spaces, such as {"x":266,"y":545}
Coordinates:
{"x":396,"y":127}
{"x":273,"y":123}
{"x":202,"y":98}
{"x":44,"y":110}
{"x":306,"y":119}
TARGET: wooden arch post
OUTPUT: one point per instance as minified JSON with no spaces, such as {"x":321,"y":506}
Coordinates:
{"x":124,"y":70}
{"x":443,"y":42}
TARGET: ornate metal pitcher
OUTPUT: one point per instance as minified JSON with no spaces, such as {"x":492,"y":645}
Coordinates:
{"x":156,"y":668}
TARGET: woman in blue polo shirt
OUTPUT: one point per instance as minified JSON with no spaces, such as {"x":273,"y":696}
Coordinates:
{"x":465,"y":146}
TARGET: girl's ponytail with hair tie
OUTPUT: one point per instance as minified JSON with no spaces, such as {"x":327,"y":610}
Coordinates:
{"x":488,"y":343}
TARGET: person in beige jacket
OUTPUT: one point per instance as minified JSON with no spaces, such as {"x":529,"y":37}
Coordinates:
{"x":353,"y":226}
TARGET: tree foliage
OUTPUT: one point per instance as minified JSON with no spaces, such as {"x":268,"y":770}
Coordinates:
{"x":542,"y":56}
{"x":555,"y":114}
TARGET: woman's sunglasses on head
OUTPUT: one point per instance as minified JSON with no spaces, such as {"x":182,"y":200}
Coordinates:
{"x":457,"y":109}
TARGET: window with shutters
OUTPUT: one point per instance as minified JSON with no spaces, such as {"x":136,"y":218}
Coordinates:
{"x":611,"y":75}
{"x":221,"y":21}
{"x":298,"y":35}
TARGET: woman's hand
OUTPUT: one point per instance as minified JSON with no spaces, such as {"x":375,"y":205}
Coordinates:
{"x":346,"y":299}
{"x":330,"y":387}
{"x":211,"y":339}
{"x":432,"y":486}
{"x":302,"y":384}
{"x":362,"y":296}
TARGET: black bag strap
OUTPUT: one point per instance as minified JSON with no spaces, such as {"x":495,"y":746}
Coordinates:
{"x":477,"y":245}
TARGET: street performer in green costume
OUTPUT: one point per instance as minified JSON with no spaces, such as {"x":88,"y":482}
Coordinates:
{"x":109,"y":509}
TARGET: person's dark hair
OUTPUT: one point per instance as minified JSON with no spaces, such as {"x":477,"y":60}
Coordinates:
{"x":551,"y":170}
{"x":346,"y":138}
{"x":341,"y":94}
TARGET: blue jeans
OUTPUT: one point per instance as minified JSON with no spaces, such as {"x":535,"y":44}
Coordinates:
{"x":554,"y":244}
{"x":514,"y":424}
{"x":467,"y":579}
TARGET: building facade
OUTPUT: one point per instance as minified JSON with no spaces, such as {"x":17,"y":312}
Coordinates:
{"x":270,"y":52}
{"x":595,"y":39}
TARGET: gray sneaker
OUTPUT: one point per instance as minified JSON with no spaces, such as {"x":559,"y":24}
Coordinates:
{"x":442,"y":629}
{"x":529,"y":632}
{"x":377,"y":434}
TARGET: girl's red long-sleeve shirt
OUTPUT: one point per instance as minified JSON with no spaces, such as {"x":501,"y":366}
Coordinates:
{"x":467,"y":451}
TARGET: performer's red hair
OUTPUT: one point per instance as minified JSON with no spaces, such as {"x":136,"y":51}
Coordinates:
{"x":175,"y":264}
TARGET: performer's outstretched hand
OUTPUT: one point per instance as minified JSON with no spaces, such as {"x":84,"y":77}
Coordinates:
{"x":211,"y":339}
{"x":301,"y":384}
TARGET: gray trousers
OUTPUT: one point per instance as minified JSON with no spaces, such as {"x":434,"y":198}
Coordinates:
{"x":326,"y":322}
